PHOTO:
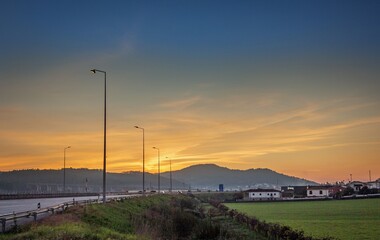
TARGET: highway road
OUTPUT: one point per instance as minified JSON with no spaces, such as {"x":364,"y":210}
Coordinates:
{"x":22,"y":205}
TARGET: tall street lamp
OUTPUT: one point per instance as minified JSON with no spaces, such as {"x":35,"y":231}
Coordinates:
{"x":143,"y":132}
{"x":171,"y":183}
{"x":105,"y":131}
{"x":158,"y":150}
{"x":64,"y":168}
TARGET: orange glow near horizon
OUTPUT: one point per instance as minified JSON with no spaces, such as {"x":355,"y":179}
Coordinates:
{"x":311,"y":142}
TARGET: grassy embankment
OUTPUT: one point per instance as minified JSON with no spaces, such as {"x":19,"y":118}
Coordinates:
{"x":154,"y":217}
{"x":97,"y":221}
{"x":342,"y":219}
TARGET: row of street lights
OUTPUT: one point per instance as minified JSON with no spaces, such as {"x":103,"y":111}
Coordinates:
{"x":158,"y":164}
{"x":105,"y":148}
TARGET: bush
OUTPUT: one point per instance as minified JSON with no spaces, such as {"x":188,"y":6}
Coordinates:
{"x":183,"y":223}
{"x":187,"y":203}
{"x":206,"y":230}
{"x":238,"y":196}
{"x":348,"y":191}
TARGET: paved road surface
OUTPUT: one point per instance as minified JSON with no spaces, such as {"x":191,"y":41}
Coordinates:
{"x":22,"y":205}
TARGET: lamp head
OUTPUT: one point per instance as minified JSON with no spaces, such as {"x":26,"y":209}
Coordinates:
{"x":69,"y":147}
{"x":93,"y":70}
{"x":136,"y":126}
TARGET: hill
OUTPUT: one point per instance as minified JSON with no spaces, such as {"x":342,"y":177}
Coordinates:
{"x":77,"y":180}
{"x":204,"y":176}
{"x":209,"y":176}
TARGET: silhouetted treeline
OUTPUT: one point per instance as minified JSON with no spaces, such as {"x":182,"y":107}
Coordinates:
{"x":77,"y":180}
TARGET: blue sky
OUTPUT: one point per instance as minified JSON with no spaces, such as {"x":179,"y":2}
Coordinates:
{"x":200,"y":28}
{"x":197,"y":74}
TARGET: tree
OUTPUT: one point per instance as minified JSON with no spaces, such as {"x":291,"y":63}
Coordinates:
{"x":238,"y":196}
{"x":364,"y":190}
{"x":348,"y":191}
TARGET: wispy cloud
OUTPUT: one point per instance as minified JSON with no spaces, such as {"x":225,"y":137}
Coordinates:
{"x":290,"y":131}
{"x":181,"y":103}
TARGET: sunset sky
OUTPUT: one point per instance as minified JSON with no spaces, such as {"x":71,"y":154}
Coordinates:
{"x":293,"y":86}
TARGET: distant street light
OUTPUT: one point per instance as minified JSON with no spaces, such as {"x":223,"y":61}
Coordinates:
{"x":64,"y":168}
{"x":158,"y":150}
{"x":171,"y":183}
{"x":143,"y":131}
{"x":105,"y":131}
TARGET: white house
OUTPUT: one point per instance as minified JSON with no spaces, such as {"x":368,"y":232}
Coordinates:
{"x":263,"y":194}
{"x":356,"y":185}
{"x":318,"y":191}
{"x":374,"y":184}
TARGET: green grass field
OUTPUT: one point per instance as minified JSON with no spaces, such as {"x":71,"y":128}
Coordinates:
{"x":344,"y":219}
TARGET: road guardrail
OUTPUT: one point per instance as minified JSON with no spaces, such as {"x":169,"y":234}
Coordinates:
{"x":15,"y":217}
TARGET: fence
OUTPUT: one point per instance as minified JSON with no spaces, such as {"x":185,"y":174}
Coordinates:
{"x":17,"y":217}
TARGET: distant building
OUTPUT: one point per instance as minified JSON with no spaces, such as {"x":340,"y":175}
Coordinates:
{"x":221,"y":187}
{"x":293,"y":191}
{"x":357,"y":185}
{"x":263,"y":194}
{"x":374,"y":184}
{"x":319,"y":191}
{"x":336,"y":190}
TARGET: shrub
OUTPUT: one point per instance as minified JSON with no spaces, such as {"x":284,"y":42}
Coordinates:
{"x":206,"y":230}
{"x":238,"y":196}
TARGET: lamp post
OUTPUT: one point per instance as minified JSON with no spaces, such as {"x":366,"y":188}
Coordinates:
{"x":143,"y":131}
{"x":64,"y":168}
{"x":158,"y":150}
{"x":171,"y":183}
{"x":105,"y":131}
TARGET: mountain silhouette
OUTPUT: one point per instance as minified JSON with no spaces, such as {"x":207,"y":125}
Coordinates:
{"x":209,"y":176}
{"x":203,"y":176}
{"x":78,"y":180}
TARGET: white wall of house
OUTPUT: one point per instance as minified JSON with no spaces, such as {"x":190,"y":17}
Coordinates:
{"x":318,"y":192}
{"x":373,"y":185}
{"x":356,"y":185}
{"x":263,"y":195}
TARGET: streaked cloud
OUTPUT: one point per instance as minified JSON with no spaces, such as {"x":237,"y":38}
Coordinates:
{"x":182,"y":103}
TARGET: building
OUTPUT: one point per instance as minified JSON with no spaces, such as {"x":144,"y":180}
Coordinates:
{"x":293,"y":191}
{"x":356,"y":185}
{"x":263,"y":194}
{"x":319,"y":191}
{"x":374,"y":184}
{"x":336,"y":190}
